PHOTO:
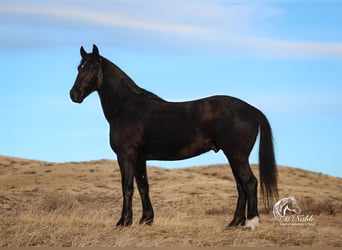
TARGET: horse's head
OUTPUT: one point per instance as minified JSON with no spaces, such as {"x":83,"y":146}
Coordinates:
{"x":90,"y":76}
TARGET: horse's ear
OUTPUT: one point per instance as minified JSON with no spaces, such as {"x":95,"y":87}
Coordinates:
{"x":83,"y":52}
{"x":95,"y":50}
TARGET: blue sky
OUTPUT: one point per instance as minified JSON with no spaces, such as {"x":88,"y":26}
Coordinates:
{"x":284,"y":57}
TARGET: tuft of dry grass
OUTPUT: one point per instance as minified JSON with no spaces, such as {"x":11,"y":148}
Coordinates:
{"x":56,"y":201}
{"x":77,"y":204}
{"x":326,"y":206}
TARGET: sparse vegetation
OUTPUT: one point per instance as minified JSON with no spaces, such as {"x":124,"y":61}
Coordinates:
{"x":77,"y":204}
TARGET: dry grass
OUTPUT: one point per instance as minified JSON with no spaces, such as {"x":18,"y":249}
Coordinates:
{"x":77,"y":204}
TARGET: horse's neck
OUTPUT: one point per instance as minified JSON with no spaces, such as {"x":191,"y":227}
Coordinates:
{"x":118,"y":91}
{"x":108,"y":95}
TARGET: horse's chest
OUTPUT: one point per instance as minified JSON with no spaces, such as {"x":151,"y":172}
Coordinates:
{"x":125,"y":137}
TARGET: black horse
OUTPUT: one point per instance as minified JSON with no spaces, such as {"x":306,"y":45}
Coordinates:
{"x":145,"y":127}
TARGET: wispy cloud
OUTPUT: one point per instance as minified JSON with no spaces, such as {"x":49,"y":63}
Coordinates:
{"x":101,"y":17}
{"x":205,"y":24}
{"x":286,"y":48}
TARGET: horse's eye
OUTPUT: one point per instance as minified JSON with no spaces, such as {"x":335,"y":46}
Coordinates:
{"x":83,"y":65}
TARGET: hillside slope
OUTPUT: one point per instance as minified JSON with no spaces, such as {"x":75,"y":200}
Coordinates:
{"x":78,"y":203}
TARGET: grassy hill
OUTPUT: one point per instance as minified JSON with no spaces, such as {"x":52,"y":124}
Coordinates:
{"x":78,"y":204}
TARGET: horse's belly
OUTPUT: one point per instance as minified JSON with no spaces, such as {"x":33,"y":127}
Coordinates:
{"x":170,"y":152}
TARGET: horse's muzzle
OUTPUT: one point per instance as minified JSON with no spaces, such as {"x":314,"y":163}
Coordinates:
{"x":76,"y":96}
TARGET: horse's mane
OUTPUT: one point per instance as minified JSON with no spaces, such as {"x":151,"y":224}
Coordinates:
{"x":131,"y":84}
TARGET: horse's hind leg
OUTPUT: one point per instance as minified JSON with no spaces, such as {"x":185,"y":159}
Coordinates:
{"x":239,"y":216}
{"x":247,"y":193}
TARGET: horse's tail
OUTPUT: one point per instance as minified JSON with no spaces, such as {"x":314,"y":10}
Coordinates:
{"x":267,"y":164}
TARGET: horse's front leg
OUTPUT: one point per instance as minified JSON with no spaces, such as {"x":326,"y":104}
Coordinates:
{"x":127,"y":169}
{"x":142,"y":183}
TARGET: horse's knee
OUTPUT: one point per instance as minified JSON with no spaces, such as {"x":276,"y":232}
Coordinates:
{"x":249,"y":184}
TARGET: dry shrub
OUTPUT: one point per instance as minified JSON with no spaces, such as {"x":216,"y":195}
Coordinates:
{"x":310,"y":205}
{"x":217,"y":211}
{"x":56,"y":201}
{"x":29,"y":172}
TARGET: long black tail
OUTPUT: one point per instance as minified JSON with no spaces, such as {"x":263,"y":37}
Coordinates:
{"x":267,"y":164}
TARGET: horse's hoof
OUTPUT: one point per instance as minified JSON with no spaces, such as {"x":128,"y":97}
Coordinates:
{"x":237,"y":221}
{"x":146,"y":221}
{"x":253,"y":223}
{"x":124,"y":222}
